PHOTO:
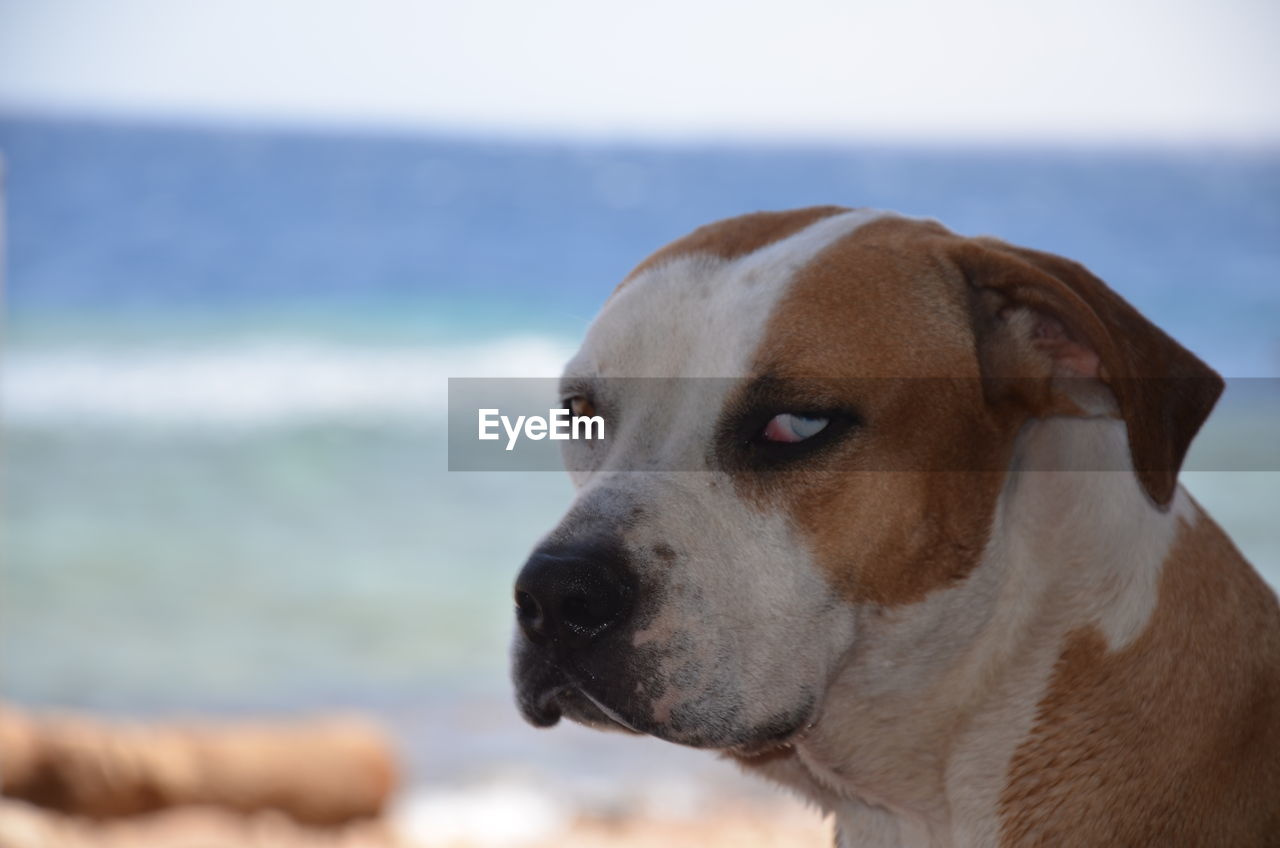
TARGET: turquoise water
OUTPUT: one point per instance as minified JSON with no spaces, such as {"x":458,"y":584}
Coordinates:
{"x":225,"y":356}
{"x":301,"y":563}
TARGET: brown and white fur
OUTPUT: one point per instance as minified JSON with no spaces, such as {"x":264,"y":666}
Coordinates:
{"x":986,"y":615}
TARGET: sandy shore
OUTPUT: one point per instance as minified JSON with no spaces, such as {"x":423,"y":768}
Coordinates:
{"x":77,"y":781}
{"x":781,"y":824}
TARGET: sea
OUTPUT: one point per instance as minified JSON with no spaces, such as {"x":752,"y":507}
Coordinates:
{"x":223,"y":385}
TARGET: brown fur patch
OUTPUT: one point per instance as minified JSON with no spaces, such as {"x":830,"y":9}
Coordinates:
{"x":1174,"y":740}
{"x":882,"y":319}
{"x":738,"y":236}
{"x":907,"y":321}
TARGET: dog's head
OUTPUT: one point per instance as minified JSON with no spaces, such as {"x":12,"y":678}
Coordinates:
{"x":811,"y":417}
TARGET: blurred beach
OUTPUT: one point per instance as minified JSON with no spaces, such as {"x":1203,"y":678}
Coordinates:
{"x":223,"y":386}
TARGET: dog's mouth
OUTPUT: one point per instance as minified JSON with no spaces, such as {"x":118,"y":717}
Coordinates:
{"x":547,"y":692}
{"x":571,"y":702}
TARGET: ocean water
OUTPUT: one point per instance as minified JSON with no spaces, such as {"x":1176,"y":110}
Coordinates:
{"x":223,"y":385}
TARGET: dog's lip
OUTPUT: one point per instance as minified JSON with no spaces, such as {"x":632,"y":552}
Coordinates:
{"x":561,"y":692}
{"x":548,"y":704}
{"x":569,"y":698}
{"x":544,"y":710}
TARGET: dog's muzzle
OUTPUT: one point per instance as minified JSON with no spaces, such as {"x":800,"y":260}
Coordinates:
{"x":570,"y":596}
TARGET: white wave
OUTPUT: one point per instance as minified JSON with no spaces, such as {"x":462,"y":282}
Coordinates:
{"x":256,"y":383}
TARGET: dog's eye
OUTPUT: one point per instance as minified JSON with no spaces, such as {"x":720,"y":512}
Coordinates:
{"x":579,"y":405}
{"x":789,"y":429}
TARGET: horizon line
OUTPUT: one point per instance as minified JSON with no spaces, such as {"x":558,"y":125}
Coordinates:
{"x":657,"y":137}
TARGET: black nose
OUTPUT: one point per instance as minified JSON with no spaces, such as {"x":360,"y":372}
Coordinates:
{"x":569,"y":594}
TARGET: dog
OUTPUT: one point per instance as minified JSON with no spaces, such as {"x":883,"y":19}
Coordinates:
{"x":905,"y":534}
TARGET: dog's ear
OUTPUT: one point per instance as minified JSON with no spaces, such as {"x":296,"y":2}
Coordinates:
{"x":1048,"y":330}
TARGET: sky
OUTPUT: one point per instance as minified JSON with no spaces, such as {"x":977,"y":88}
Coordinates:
{"x":1086,"y":70}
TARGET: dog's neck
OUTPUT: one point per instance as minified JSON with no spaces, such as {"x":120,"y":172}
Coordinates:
{"x":920,"y":748}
